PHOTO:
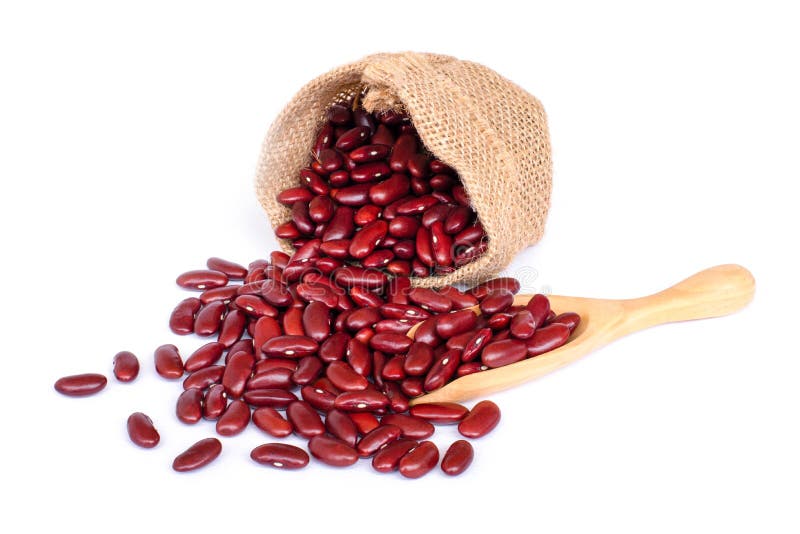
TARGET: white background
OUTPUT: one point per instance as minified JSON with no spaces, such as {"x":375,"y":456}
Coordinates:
{"x":129,"y":134}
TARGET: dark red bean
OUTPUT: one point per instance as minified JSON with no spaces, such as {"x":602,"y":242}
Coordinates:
{"x":318,"y":397}
{"x":233,"y":327}
{"x":403,"y":312}
{"x":202,"y":279}
{"x":418,"y":165}
{"x":141,"y":431}
{"x":423,"y":246}
{"x":305,"y":419}
{"x":468,"y":368}
{"x":280,"y":378}
{"x":345,"y":377}
{"x":404,"y":227}
{"x":280,"y":455}
{"x":215,"y":401}
{"x":126,"y":366}
{"x":290,"y":346}
{"x":365,"y":422}
{"x":276,"y":293}
{"x":237,"y":372}
{"x":419,"y":461}
{"x":455,"y":323}
{"x":539,"y":306}
{"x":404,"y":148}
{"x":369,"y":172}
{"x":499,"y":321}
{"x":393,"y":369}
{"x":388,"y":458}
{"x":353,"y":138}
{"x":377,"y":438}
{"x":209,"y":319}
{"x":80,"y":385}
{"x":332,"y":451}
{"x":255,"y":306}
{"x":353,"y":195}
{"x":198,"y":455}
{"x":232,"y":270}
{"x":475,"y":344}
{"x":308,"y":370}
{"x":189,"y":407}
{"x":442,"y":244}
{"x":569,"y":319}
{"x":316,"y":321}
{"x":339,"y":114}
{"x":273,"y":397}
{"x":505,"y":352}
{"x":329,"y":161}
{"x":321,"y":208}
{"x":366,"y":239}
{"x":204,"y":377}
{"x":181,"y":321}
{"x":390,"y":343}
{"x":313,"y":181}
{"x":359,"y":357}
{"x":341,"y":426}
{"x":547,"y":338}
{"x":412,"y":386}
{"x":367,"y":214}
{"x":481,"y":420}
{"x":440,"y":412}
{"x":497,"y":301}
{"x":292,"y":322}
{"x":266,"y":328}
{"x":221,"y":294}
{"x":394,"y":326}
{"x":356,"y":276}
{"x":442,"y":370}
{"x":417,"y":205}
{"x":410,"y":426}
{"x":418,"y":359}
{"x":429,"y":299}
{"x":481,"y":290}
{"x":459,"y":341}
{"x":205,"y":356}
{"x":270,"y":421}
{"x":457,"y":458}
{"x":426,"y":333}
{"x":337,"y":248}
{"x":334,"y":347}
{"x":341,"y":225}
{"x":361,"y":401}
{"x":457,"y":220}
{"x":287,"y":230}
{"x":523,"y":325}
{"x":398,"y":401}
{"x":459,"y":299}
{"x":394,"y":188}
{"x":234,"y":420}
{"x":268,"y":364}
{"x":287,"y":197}
{"x":438,"y":212}
{"x":366,"y":298}
{"x":368,"y":153}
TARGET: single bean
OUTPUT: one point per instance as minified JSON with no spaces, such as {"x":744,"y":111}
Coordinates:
{"x":305,"y":419}
{"x":198,"y":455}
{"x":360,"y":401}
{"x":504,"y":352}
{"x":209,"y":319}
{"x":388,"y":458}
{"x":457,"y":458}
{"x":126,"y":366}
{"x":377,"y":438}
{"x":204,"y":377}
{"x":523,"y":325}
{"x":442,"y":370}
{"x":332,"y":451}
{"x":205,"y":356}
{"x":547,"y":338}
{"x":270,"y":421}
{"x":390,"y":343}
{"x":440,"y":412}
{"x":202,"y":279}
{"x":141,"y":431}
{"x":80,"y":385}
{"x":237,"y":372}
{"x":181,"y":321}
{"x":215,"y":400}
{"x":189,"y":407}
{"x":273,"y":397}
{"x":419,"y":461}
{"x":280,"y":455}
{"x":345,"y":377}
{"x":455,"y":323}
{"x":290,"y":346}
{"x":234,"y":420}
{"x":476,"y":343}
{"x":308,"y":370}
{"x":410,"y":426}
{"x":481,"y":420}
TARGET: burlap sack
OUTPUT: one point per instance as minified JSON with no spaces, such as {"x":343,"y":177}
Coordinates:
{"x":487,"y":128}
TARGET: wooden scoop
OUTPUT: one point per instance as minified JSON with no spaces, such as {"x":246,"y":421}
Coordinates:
{"x":717,"y":291}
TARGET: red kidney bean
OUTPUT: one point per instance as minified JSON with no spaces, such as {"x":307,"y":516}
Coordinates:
{"x":419,"y":461}
{"x":223,"y":294}
{"x":410,"y":426}
{"x":442,"y":370}
{"x":377,"y":259}
{"x":337,"y":248}
{"x":270,"y":421}
{"x":438,"y":212}
{"x":126,"y":366}
{"x":268,"y":364}
{"x":334,"y":347}
{"x":366,"y":239}
{"x":496,"y":301}
{"x":469,"y":368}
{"x":234,"y":420}
{"x":455,"y":323}
{"x":341,"y":225}
{"x":459,"y":299}
{"x":393,"y":188}
{"x":275,"y":293}
{"x":405,"y":250}
{"x":352,"y":195}
{"x":168,"y":362}
{"x":442,"y":244}
{"x":426,"y":333}
{"x":359,"y":357}
{"x":504,"y":352}
{"x":418,"y":359}
{"x":273,"y":397}
{"x":377,"y":438}
{"x":539,"y":306}
{"x":292,"y":322}
{"x":459,"y":341}
{"x":80,"y":385}
{"x":569,"y":319}
{"x":440,"y":412}
{"x":287,"y":230}
{"x":369,"y":172}
{"x":233,"y":327}
{"x":205,"y":356}
{"x":202,"y":279}
{"x":412,"y":386}
{"x":398,"y":401}
{"x":417,"y":205}
{"x":523,"y":325}
{"x":313,"y":181}
{"x":237,"y":372}
{"x":362,"y":318}
{"x":266,"y":328}
{"x":547,"y":338}
{"x":252,"y":288}
{"x":308,"y":370}
{"x":290,"y":346}
{"x":339,"y":114}
{"x":457,"y":220}
{"x":394,"y":326}
{"x":368,"y":153}
{"x":215,"y":401}
{"x":320,"y":209}
{"x":316,"y":321}
{"x":365,"y":298}
{"x":317,"y":397}
{"x":198,"y":455}
{"x":481,"y":420}
{"x":287,"y":197}
{"x":232,"y":270}
{"x":305,"y":419}
{"x":280,"y":455}
{"x":360,"y":401}
{"x":204,"y":377}
{"x":470,"y":235}
{"x":378,"y":363}
{"x":390,"y":343}
{"x":367,"y":214}
{"x":141,"y":431}
{"x":418,"y":165}
{"x":500,"y":320}
{"x":475,"y":344}
{"x":280,"y":378}
{"x":393,"y":368}
{"x":255,"y":306}
{"x":481,"y":290}
{"x":181,"y":321}
{"x":243,"y":345}
{"x":208,"y":319}
{"x":350,"y":276}
{"x":189,"y":407}
{"x":423,"y":247}
{"x":341,"y":426}
{"x":457,"y":458}
{"x":387,"y":459}
{"x":344,"y":377}
{"x":353,"y":138}
{"x":329,"y":161}
{"x":332,"y":451}
{"x":429,"y":299}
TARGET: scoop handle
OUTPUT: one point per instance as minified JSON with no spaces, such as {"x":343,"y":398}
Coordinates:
{"x":714,"y":292}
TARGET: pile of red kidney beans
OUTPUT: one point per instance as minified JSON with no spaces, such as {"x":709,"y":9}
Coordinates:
{"x":323,"y":334}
